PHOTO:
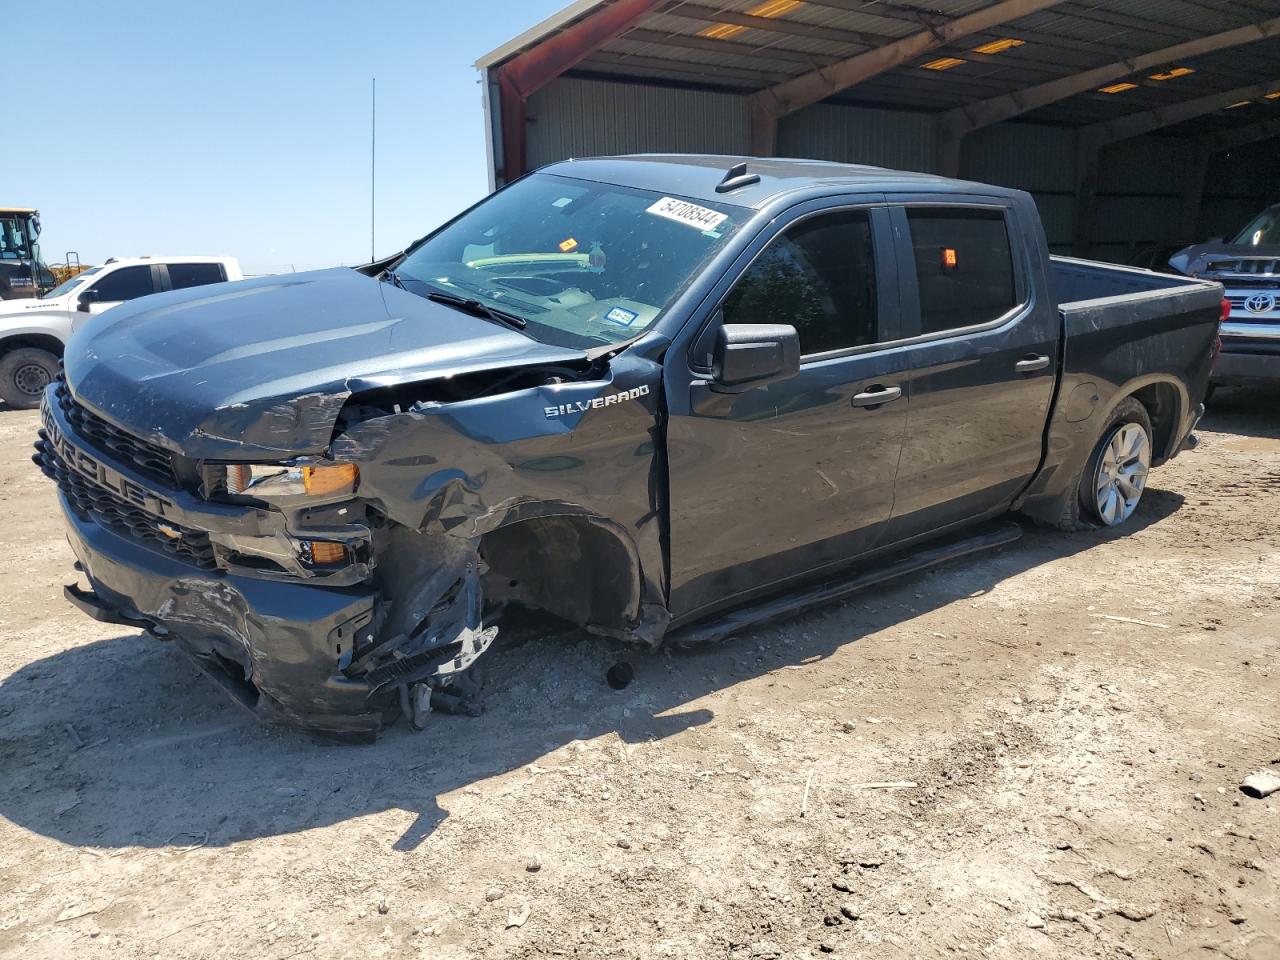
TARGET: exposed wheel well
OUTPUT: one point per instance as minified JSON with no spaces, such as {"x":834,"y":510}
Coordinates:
{"x":575,"y":567}
{"x":1161,"y":401}
{"x":38,"y":341}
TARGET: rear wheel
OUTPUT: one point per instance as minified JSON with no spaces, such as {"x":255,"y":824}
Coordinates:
{"x":24,"y":373}
{"x":1116,"y":476}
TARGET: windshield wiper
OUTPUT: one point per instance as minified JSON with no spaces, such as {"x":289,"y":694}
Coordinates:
{"x":390,"y":276}
{"x":478,"y":309}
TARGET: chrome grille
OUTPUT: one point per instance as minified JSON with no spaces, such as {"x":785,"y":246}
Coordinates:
{"x":1240,"y":310}
{"x":1243,"y":267}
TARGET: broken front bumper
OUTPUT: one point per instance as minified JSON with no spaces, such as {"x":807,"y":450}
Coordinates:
{"x":275,"y":647}
{"x":276,"y":644}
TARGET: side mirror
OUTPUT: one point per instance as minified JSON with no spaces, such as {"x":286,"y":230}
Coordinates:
{"x":86,"y":298}
{"x":753,"y":354}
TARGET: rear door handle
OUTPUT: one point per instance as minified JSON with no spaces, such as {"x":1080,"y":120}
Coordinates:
{"x":876,"y":396}
{"x":1031,"y":363}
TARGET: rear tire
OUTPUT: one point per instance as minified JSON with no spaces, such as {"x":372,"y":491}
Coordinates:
{"x":1115,"y":476}
{"x":24,"y":373}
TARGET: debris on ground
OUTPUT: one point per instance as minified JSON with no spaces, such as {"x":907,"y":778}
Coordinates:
{"x":517,"y":916}
{"x":1261,"y":784}
{"x":620,"y":675}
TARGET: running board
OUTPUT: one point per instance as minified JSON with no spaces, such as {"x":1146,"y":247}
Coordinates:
{"x":988,"y":537}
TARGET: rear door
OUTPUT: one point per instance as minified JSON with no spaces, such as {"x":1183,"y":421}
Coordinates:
{"x":780,"y":480}
{"x":180,"y":276}
{"x":984,"y":362}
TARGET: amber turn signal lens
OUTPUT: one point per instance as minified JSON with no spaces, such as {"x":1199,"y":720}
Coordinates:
{"x":329,"y":479}
{"x":326,"y":552}
{"x":239,"y":476}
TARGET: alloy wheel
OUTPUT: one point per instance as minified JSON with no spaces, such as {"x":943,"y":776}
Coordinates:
{"x":1122,"y":474}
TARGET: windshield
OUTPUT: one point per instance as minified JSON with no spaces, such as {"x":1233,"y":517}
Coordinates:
{"x":1265,"y":228}
{"x":66,"y":286}
{"x":15,"y":239}
{"x":585,"y":263}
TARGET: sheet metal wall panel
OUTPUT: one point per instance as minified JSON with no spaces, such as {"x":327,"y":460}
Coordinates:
{"x":882,"y":138}
{"x":1143,"y":166}
{"x":582,"y":118}
{"x":1023,"y":155}
{"x":1058,"y":214}
{"x":1239,"y":185}
{"x":1130,"y":221}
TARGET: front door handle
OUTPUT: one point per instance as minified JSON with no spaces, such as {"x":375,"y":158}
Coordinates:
{"x":876,"y":396}
{"x":1031,"y":363}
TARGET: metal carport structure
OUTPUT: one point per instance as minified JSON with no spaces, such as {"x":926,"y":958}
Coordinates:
{"x":1131,"y":121}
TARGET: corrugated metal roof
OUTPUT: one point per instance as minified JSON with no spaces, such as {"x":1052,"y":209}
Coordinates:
{"x":671,"y":46}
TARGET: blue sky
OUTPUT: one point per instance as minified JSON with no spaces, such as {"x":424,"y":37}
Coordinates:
{"x":242,"y":127}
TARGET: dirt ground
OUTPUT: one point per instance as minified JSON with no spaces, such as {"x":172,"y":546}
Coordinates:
{"x":1036,"y":752}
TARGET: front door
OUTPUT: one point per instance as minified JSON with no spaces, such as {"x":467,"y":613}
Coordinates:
{"x":776,"y":481}
{"x":117,"y":287}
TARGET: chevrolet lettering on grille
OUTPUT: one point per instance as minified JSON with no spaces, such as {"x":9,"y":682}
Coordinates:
{"x":84,"y":463}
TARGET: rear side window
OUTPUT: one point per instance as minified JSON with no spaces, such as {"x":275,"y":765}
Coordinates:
{"x":183,"y":275}
{"x":963,"y":265}
{"x":818,"y":276}
{"x":127,"y":283}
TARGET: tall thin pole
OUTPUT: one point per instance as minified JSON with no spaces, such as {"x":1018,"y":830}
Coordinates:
{"x":373,"y":175}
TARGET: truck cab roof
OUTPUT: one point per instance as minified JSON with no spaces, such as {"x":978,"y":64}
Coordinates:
{"x":169,"y":258}
{"x":698,"y":175}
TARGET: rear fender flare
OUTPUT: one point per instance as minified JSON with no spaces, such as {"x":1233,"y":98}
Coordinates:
{"x":1164,"y":423}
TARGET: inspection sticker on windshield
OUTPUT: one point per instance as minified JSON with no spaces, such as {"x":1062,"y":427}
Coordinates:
{"x":621,"y":316}
{"x":690,"y":214}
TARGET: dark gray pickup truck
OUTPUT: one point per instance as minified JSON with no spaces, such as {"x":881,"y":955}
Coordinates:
{"x":657,"y":397}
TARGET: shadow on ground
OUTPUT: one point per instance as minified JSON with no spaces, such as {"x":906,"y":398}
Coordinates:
{"x":168,"y":761}
{"x":1249,"y":411}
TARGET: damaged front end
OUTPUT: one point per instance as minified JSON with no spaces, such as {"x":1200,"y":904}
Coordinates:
{"x":339,"y":589}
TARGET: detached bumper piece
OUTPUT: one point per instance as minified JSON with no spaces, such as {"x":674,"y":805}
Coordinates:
{"x":90,"y":604}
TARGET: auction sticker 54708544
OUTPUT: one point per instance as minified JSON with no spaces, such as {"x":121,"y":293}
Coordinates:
{"x":690,"y":214}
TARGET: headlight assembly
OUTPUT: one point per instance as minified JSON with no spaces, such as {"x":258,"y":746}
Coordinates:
{"x":269,"y":481}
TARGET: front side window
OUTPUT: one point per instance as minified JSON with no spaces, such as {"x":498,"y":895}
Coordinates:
{"x":584,"y":263}
{"x":964,"y":266}
{"x":819,"y":277}
{"x":127,"y":283}
{"x":183,"y":275}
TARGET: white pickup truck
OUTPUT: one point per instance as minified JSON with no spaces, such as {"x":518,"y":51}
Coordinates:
{"x":33,"y":332}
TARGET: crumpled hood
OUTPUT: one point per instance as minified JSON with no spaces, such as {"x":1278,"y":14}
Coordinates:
{"x":260,"y":369}
{"x":1194,"y":260}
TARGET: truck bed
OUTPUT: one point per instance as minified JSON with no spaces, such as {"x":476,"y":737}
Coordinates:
{"x":1126,"y":331}
{"x":1079,"y":283}
{"x":1119,"y":322}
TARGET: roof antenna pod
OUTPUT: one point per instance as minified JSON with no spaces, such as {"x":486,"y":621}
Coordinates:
{"x":736,"y":177}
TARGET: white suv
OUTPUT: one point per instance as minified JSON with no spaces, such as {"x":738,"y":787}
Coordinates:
{"x":33,"y":332}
